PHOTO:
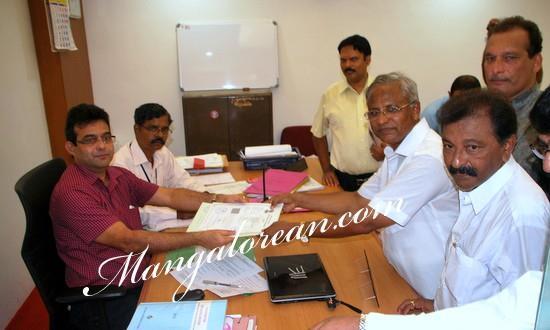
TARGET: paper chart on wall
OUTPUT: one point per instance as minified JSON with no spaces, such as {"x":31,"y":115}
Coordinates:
{"x":59,"y":25}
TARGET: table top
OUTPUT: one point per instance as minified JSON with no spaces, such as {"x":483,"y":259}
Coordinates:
{"x":344,"y":261}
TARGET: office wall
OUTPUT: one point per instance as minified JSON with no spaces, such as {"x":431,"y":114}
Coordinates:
{"x":132,"y":46}
{"x":24,"y":145}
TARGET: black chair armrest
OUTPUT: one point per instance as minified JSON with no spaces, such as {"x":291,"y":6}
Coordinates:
{"x":74,"y":295}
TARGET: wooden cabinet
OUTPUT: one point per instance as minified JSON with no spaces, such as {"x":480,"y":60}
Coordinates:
{"x":226,"y":124}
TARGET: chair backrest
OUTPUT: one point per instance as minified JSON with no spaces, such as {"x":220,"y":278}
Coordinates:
{"x":300,"y":137}
{"x":38,"y":251}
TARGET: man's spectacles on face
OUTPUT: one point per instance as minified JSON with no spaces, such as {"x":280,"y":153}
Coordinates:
{"x":540,"y":148}
{"x":156,"y":129}
{"x":92,"y":140}
{"x":387,"y":110}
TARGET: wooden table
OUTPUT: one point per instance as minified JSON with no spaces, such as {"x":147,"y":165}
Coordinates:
{"x":345,"y":264}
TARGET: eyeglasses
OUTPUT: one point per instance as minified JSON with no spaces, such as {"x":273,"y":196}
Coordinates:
{"x":540,"y":148}
{"x":91,"y":140}
{"x":388,"y":110}
{"x":156,"y":129}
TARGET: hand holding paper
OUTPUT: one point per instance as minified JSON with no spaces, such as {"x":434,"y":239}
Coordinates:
{"x":247,"y":219}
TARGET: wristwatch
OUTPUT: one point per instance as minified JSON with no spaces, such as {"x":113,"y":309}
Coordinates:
{"x":213,"y":198}
{"x":363,"y":322}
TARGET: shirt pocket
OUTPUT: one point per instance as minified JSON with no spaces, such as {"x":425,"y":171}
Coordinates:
{"x":334,"y":116}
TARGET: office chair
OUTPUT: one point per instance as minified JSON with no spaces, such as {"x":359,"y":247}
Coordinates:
{"x":300,"y":137}
{"x":39,"y":251}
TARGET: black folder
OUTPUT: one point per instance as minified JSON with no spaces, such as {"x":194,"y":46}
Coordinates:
{"x":297,"y":277}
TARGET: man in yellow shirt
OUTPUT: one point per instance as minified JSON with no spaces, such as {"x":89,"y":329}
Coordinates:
{"x":341,"y":115}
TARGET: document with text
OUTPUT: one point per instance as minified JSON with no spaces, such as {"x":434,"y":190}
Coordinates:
{"x":248,"y":219}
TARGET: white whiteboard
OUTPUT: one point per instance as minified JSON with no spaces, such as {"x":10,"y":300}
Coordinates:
{"x":227,"y":55}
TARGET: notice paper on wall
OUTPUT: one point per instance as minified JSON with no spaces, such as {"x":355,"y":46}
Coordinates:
{"x":59,"y":25}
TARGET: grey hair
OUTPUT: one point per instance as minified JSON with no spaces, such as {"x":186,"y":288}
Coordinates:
{"x":408,"y":86}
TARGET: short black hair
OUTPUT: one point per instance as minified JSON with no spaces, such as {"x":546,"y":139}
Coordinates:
{"x":540,"y":114}
{"x":359,"y":43}
{"x":465,"y":82}
{"x":475,"y":103}
{"x":150,"y":111}
{"x":518,"y":22}
{"x":83,"y":114}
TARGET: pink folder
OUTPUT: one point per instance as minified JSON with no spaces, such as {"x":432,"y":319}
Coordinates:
{"x":277,"y":182}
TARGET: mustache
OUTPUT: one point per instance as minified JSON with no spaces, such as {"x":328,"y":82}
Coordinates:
{"x":498,"y":78}
{"x":349,"y":70}
{"x":468,"y":170}
{"x":158,"y":140}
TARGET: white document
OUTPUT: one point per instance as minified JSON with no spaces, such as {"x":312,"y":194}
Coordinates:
{"x":214,"y":179}
{"x":269,"y":151}
{"x":229,"y":188}
{"x":238,"y":271}
{"x":248,"y":219}
{"x":310,"y":185}
{"x":253,"y":284}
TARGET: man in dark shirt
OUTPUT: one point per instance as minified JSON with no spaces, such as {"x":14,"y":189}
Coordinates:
{"x":95,"y":216}
{"x":512,"y":60}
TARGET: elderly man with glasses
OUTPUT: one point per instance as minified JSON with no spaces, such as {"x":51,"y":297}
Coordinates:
{"x":149,"y":159}
{"x":410,"y":198}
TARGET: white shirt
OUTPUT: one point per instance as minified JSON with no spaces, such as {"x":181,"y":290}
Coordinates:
{"x":500,"y":234}
{"x":413,"y":179}
{"x":514,"y":308}
{"x":341,"y":114}
{"x":165,"y":172}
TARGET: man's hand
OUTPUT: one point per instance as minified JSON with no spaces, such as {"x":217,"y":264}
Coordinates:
{"x":287,"y":199}
{"x":338,"y":322}
{"x":237,"y":198}
{"x":416,"y":306}
{"x":377,"y":151}
{"x":330,"y":179}
{"x":213,"y":238}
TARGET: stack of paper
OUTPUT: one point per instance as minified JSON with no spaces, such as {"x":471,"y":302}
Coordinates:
{"x":228,"y":277}
{"x":201,"y":164}
{"x":207,"y":314}
{"x":229,"y":188}
{"x":215,"y":179}
{"x":277,"y":182}
{"x":280,"y":150}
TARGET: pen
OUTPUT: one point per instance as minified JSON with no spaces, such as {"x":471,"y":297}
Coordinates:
{"x":219,"y":283}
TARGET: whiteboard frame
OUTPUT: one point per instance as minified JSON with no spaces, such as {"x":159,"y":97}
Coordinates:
{"x":269,"y":75}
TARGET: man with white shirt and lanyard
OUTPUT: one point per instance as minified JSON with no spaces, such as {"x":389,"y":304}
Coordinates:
{"x":503,"y":225}
{"x":149,"y":159}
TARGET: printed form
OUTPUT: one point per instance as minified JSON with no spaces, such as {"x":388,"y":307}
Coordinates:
{"x":227,"y":277}
{"x":249,"y":219}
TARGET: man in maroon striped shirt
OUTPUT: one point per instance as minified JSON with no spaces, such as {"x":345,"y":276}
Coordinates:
{"x":94,"y":210}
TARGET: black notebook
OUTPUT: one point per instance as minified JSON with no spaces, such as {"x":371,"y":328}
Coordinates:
{"x":297,"y":277}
